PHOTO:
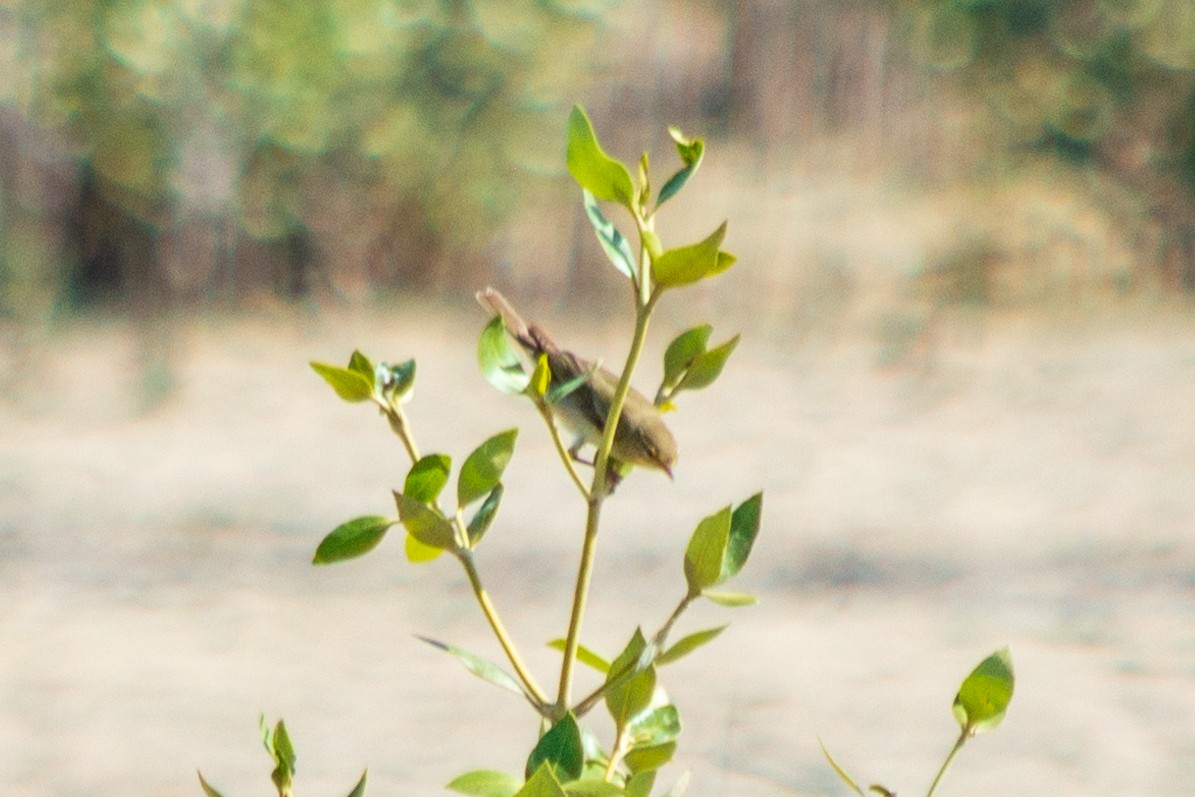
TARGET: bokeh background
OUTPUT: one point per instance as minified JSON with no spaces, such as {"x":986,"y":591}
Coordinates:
{"x":966,"y":241}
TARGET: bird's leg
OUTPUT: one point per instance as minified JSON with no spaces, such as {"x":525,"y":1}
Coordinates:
{"x":574,"y":451}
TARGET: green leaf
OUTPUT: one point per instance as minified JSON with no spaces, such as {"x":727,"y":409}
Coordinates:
{"x":681,"y":352}
{"x":606,"y":178}
{"x":559,"y":392}
{"x":354,"y":538}
{"x":983,"y":698}
{"x":397,"y":380}
{"x":267,"y":735}
{"x":360,"y":363}
{"x":424,"y":523}
{"x":688,"y":264}
{"x":485,"y":783}
{"x":349,"y":385}
{"x":479,"y":524}
{"x":631,"y":682}
{"x":707,"y":549}
{"x":644,"y":180}
{"x":614,"y":244}
{"x":649,"y":757}
{"x":359,"y":789}
{"x":482,"y":668}
{"x":651,"y":242}
{"x":654,"y":726}
{"x":498,"y":360}
{"x":207,"y":788}
{"x":541,"y":378}
{"x":744,"y":528}
{"x":283,"y":753}
{"x":561,"y":749}
{"x":584,"y":655}
{"x":731,"y":599}
{"x":691,"y":152}
{"x":689,"y":644}
{"x":427,"y":478}
{"x":592,"y":787}
{"x":418,"y":553}
{"x":838,"y":770}
{"x":483,"y":469}
{"x":641,"y":783}
{"x":707,"y":366}
{"x":542,"y":784}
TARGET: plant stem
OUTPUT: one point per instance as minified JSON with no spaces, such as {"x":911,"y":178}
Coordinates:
{"x":580,"y":594}
{"x":958,"y":745}
{"x":662,"y":635}
{"x":582,"y":708}
{"x":491,"y":614}
{"x":597,"y":494}
{"x":565,"y":457}
{"x":615,"y":756}
{"x":398,"y":422}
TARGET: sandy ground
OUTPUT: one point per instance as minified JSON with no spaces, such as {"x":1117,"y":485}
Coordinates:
{"x":1028,"y":481}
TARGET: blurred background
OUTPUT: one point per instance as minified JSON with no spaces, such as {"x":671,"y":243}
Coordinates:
{"x":966,"y":242}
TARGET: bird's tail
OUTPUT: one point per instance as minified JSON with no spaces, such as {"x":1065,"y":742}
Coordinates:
{"x":530,"y":336}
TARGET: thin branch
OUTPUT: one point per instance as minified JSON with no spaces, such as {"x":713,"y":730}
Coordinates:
{"x":589,"y":701}
{"x":597,"y":494}
{"x":401,"y":427}
{"x":958,"y":745}
{"x":508,"y":646}
{"x":546,"y":413}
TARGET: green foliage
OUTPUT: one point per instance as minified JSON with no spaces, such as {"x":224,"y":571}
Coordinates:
{"x":721,"y":544}
{"x":688,"y":264}
{"x":979,"y":706}
{"x":604,"y":177}
{"x":631,"y":681}
{"x":282,"y":752}
{"x":584,"y":655}
{"x":568,"y":759}
{"x":542,"y":783}
{"x":485,"y":783}
{"x":482,"y":668}
{"x":427,"y":478}
{"x":354,"y":538}
{"x":425,"y":523}
{"x":498,"y":360}
{"x":613,"y":242}
{"x":349,"y":383}
{"x":690,"y":365}
{"x":691,"y":151}
{"x":560,"y":749}
{"x":278,"y":745}
{"x":396,"y":381}
{"x":688,"y":644}
{"x":1073,"y":76}
{"x":482,"y":471}
{"x":479,"y":524}
{"x":983,"y":698}
{"x":446,"y":106}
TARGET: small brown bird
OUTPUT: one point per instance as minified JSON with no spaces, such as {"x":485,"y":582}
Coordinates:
{"x":641,"y":438}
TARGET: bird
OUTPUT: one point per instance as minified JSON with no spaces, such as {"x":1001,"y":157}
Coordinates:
{"x":641,"y":439}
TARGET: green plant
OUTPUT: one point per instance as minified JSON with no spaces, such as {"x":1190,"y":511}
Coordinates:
{"x":625,"y":429}
{"x":979,"y":706}
{"x":278,"y":744}
{"x":568,"y":757}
